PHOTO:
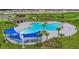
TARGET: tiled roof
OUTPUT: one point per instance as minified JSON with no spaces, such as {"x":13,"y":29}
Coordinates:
{"x":19,"y":18}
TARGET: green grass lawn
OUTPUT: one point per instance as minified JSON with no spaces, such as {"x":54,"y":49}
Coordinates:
{"x":68,"y":42}
{"x":73,"y":41}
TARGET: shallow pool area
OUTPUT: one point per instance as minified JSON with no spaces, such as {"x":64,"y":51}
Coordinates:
{"x":35,"y":27}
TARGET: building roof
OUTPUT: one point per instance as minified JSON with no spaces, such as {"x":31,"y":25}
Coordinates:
{"x":20,"y":18}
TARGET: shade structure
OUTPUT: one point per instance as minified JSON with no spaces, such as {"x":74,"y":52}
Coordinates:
{"x":31,"y":35}
{"x":12,"y":34}
{"x":10,"y":31}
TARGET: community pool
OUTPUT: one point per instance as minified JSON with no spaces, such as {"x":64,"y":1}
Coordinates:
{"x":30,"y":33}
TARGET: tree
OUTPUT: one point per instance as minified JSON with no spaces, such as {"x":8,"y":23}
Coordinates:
{"x":58,"y":29}
{"x":46,"y":34}
{"x":76,"y":22}
{"x":62,"y":15}
{"x":53,"y":43}
{"x":4,"y":36}
{"x":61,"y":34}
{"x":20,"y":15}
{"x":43,"y":26}
{"x":40,"y":34}
{"x":2,"y":28}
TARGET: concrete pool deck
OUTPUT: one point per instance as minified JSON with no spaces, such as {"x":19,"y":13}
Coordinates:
{"x":67,"y":30}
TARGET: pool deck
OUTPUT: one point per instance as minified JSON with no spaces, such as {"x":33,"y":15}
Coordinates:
{"x":67,"y":30}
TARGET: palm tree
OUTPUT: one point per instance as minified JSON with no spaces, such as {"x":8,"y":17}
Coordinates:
{"x":43,"y":32}
{"x":40,"y":34}
{"x":58,"y":29}
{"x":43,"y":26}
{"x":46,"y":34}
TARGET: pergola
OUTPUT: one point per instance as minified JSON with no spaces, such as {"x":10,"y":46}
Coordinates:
{"x":19,"y":19}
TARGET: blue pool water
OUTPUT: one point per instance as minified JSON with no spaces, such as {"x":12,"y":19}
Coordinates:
{"x":35,"y":27}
